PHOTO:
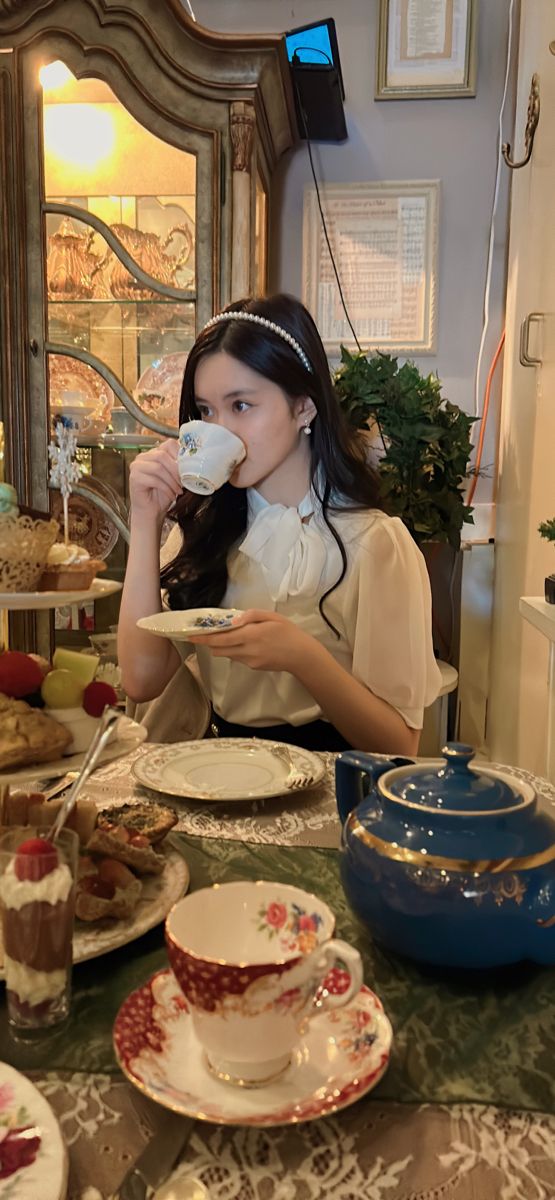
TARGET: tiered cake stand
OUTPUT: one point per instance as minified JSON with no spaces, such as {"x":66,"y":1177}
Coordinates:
{"x":37,"y":601}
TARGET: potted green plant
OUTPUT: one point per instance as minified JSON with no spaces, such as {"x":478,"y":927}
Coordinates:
{"x":425,"y":443}
{"x":547,"y":530}
{"x":423,"y":447}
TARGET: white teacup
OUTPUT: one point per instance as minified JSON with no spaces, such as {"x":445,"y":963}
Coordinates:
{"x":208,"y":455}
{"x":252,"y":959}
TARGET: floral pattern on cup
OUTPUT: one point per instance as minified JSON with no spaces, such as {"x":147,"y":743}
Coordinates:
{"x":296,"y":929}
{"x":17,"y":1148}
{"x":189,"y":445}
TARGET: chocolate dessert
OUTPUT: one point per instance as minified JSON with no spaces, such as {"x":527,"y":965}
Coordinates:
{"x":38,"y":896}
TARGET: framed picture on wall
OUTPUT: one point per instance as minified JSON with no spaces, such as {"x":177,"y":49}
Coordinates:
{"x":426,"y":49}
{"x":384,"y":238}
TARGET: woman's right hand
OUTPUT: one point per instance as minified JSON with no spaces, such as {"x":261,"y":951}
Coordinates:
{"x":154,"y":481}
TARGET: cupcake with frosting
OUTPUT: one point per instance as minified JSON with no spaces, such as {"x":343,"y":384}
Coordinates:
{"x":69,"y":567}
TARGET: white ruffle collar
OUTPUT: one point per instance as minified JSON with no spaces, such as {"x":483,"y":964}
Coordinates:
{"x":291,"y":553}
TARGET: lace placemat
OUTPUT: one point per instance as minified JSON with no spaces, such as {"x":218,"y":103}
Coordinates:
{"x":307,"y":818}
{"x":375,"y":1150}
{"x":304,"y":818}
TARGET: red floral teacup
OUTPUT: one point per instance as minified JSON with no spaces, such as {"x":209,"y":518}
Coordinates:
{"x":252,"y":961}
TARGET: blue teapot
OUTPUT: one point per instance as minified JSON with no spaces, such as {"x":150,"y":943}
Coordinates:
{"x":449,"y":863}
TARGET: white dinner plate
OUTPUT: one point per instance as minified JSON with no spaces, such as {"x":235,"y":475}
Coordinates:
{"x":223,"y":769}
{"x":37,"y":1151}
{"x":99,"y":588}
{"x":130,"y":735}
{"x":159,"y":894}
{"x":181,"y":625}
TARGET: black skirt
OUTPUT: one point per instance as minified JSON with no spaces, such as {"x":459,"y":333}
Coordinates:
{"x":316,"y":735}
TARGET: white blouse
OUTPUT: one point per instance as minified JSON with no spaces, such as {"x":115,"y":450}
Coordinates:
{"x":382,"y":610}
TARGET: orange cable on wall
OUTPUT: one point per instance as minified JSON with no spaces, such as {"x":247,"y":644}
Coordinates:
{"x":487,"y":395}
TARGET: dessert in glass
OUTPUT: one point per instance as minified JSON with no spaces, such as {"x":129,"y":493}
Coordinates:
{"x":37,"y":903}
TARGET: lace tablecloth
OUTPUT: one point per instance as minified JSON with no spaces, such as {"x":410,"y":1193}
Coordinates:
{"x":306,"y":818}
{"x":372,"y":1151}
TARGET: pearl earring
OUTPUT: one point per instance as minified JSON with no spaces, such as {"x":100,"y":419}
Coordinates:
{"x":306,"y":428}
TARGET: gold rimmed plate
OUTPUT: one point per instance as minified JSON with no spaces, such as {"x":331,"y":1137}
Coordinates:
{"x":129,"y":735}
{"x":179,"y":626}
{"x":225,"y":769}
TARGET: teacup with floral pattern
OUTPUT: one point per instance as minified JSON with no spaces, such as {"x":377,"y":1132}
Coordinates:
{"x":208,"y":455}
{"x":252,"y":959}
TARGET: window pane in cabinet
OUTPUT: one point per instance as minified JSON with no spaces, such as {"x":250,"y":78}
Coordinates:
{"x":98,"y":158}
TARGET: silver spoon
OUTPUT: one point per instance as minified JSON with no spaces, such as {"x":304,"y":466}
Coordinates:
{"x":102,"y":734}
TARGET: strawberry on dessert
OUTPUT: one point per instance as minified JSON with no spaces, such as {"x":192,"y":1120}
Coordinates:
{"x":35,"y":858}
{"x":37,"y":901}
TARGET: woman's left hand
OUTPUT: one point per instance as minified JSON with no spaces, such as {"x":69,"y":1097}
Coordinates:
{"x":264,"y":641}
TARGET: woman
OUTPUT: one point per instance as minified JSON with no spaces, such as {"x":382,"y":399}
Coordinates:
{"x":333,"y":648}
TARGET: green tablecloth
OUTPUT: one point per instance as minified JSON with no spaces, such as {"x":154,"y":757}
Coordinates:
{"x":486,"y":1037}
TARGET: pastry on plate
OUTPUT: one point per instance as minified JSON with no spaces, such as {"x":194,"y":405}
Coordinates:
{"x":105,"y":888}
{"x":127,"y":847}
{"x":27,"y":735}
{"x":69,"y":568}
{"x":154,"y":821}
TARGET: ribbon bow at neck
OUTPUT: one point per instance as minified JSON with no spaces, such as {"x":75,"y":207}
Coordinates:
{"x":292,"y":554}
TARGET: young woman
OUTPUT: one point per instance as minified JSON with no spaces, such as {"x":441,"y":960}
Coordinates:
{"x":334,"y":647}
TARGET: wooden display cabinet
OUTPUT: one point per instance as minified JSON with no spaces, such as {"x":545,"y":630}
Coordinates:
{"x":136,"y":157}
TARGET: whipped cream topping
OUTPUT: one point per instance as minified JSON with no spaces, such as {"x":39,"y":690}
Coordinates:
{"x":52,"y":888}
{"x":33,"y":986}
{"x":64,"y":555}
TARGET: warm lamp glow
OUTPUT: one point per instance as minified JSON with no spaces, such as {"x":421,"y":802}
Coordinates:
{"x":55,"y":75}
{"x":82,"y":134}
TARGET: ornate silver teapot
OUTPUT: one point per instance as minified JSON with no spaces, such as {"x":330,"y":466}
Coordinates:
{"x":149,"y":252}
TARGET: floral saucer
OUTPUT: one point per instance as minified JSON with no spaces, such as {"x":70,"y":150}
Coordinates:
{"x":33,"y":1157}
{"x":181,"y":624}
{"x":342,"y":1054}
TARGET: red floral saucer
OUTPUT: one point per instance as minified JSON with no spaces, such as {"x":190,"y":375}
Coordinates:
{"x":342,"y":1054}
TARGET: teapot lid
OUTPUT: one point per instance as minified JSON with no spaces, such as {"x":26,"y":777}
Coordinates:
{"x":455,"y":785}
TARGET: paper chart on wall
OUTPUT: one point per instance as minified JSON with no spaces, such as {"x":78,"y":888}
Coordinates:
{"x":384,"y":238}
{"x":427,"y":36}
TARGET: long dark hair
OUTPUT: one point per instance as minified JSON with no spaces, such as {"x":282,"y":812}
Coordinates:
{"x":340,"y":474}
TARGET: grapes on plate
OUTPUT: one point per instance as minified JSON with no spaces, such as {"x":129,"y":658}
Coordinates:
{"x":61,"y":689}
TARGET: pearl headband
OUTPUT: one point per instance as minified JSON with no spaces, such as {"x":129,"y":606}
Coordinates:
{"x":282,"y":333}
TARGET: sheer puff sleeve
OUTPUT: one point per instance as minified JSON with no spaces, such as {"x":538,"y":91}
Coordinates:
{"x":392,"y":648}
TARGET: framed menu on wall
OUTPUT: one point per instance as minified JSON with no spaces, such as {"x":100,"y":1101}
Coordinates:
{"x":426,"y":49}
{"x":384,"y":238}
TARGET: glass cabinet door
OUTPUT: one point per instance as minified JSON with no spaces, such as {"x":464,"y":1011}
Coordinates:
{"x":111,"y":186}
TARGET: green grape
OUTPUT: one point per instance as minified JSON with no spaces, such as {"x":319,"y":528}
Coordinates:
{"x":61,"y":689}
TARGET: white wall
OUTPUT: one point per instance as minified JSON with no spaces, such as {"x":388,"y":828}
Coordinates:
{"x":450,"y":140}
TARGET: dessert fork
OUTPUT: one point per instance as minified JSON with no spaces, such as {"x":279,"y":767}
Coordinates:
{"x":296,"y":778}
